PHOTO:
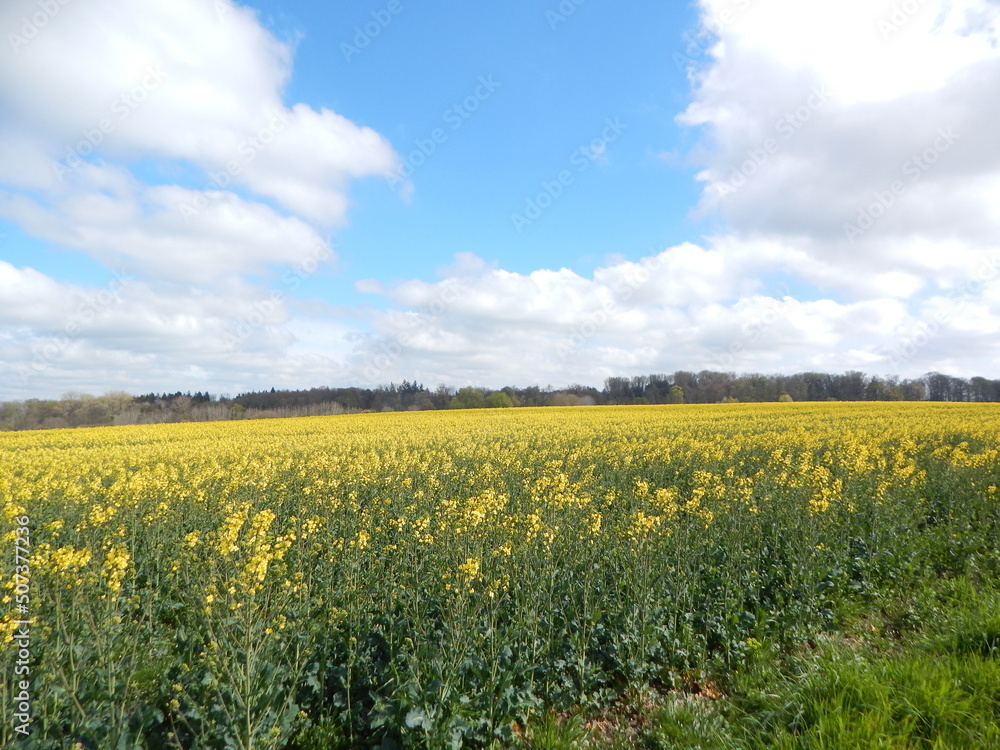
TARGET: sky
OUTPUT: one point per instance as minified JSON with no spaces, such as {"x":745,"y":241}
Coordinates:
{"x":205,"y":195}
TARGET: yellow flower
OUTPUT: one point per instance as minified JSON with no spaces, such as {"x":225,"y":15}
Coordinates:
{"x":594,"y":523}
{"x":470,"y":569}
{"x":115,"y":566}
{"x":229,"y":532}
{"x":69,"y":560}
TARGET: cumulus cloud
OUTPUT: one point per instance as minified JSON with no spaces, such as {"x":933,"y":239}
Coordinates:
{"x":628,"y":318}
{"x":854,"y":133}
{"x":481,"y":324}
{"x":126,"y":224}
{"x":154,"y":138}
{"x":848,"y":151}
{"x":101,"y":85}
{"x":137,"y":335}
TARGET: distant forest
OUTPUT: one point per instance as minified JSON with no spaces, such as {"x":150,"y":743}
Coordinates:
{"x":118,"y":408}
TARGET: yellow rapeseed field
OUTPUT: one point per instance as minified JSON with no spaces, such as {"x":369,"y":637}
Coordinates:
{"x":436,"y":578}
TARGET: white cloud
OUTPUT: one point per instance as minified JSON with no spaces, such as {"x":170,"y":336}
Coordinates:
{"x":556,"y":326}
{"x":156,"y":232}
{"x":478,"y":325}
{"x":190,"y":80}
{"x":810,"y":114}
{"x":136,"y":335}
{"x":100,"y":104}
{"x":817,"y":118}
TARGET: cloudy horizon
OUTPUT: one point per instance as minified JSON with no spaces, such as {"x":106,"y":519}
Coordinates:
{"x":210,"y":196}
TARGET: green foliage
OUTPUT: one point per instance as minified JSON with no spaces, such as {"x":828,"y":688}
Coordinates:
{"x":473,"y":398}
{"x":501,"y":582}
{"x":554,"y":732}
{"x":499,"y":400}
{"x":937,"y":688}
{"x":468,"y":398}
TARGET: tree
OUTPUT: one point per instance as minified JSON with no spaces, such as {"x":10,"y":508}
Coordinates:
{"x":785,"y":398}
{"x":688,"y":383}
{"x":981,"y":389}
{"x":442,"y":396}
{"x":499,"y":400}
{"x":913,"y":390}
{"x":468,"y":398}
{"x":619,"y":390}
{"x":712,"y":386}
{"x":853,"y":385}
{"x":561,"y":398}
{"x":676,"y":395}
{"x":938,"y":386}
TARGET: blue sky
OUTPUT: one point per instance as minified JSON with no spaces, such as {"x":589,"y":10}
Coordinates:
{"x":555,"y":90}
{"x":236,"y":196}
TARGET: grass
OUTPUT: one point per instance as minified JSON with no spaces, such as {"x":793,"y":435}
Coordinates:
{"x":920,"y":670}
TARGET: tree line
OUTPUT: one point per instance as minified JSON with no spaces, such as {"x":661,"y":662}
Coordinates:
{"x":705,"y":387}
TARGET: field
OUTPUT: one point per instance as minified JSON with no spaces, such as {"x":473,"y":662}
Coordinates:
{"x":486,"y":578}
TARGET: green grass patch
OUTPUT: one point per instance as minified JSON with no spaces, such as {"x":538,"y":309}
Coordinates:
{"x":918,"y":671}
